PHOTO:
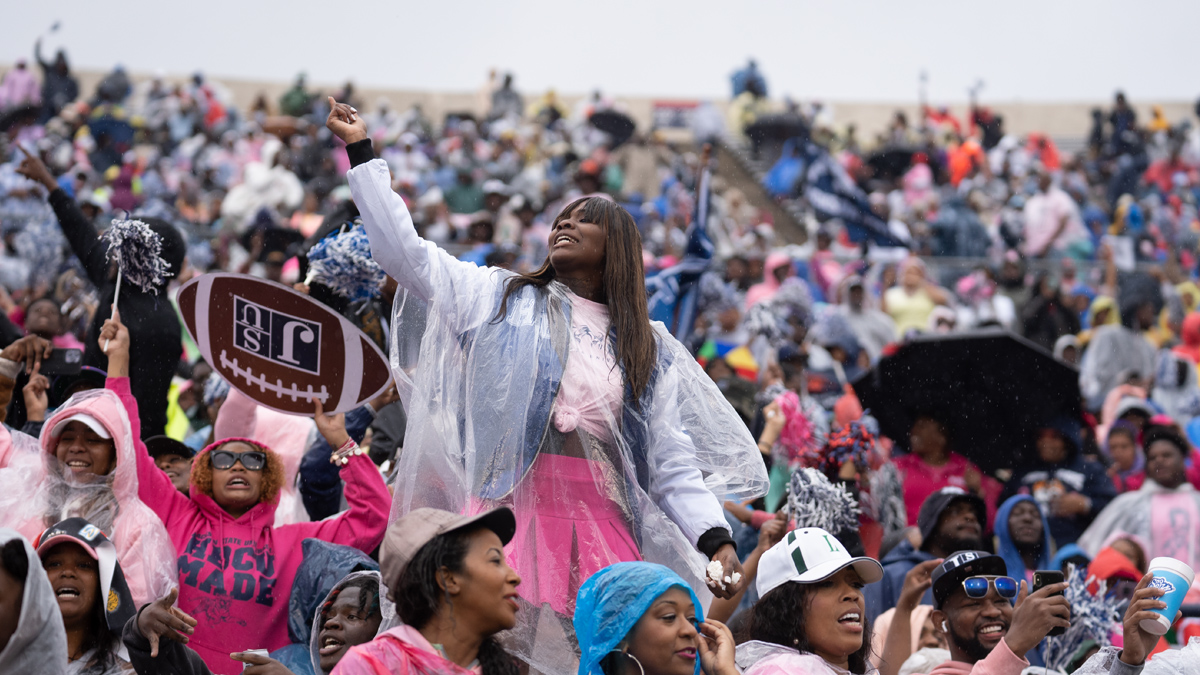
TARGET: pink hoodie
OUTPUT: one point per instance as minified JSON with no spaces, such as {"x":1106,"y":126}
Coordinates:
{"x":235,"y":575}
{"x":766,"y":290}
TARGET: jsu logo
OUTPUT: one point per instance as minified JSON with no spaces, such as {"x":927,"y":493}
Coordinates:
{"x":281,"y":338}
{"x":1160,"y":582}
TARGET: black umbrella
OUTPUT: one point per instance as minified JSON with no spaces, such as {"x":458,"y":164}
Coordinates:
{"x":890,"y":162}
{"x":991,"y":389}
{"x":615,"y":124}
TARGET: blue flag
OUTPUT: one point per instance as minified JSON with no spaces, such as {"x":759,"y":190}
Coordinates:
{"x":833,"y":194}
{"x":674,"y":292}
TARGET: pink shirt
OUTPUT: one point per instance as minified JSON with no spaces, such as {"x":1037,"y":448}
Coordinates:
{"x":921,"y":480}
{"x":590,"y":395}
{"x":1042,"y":215}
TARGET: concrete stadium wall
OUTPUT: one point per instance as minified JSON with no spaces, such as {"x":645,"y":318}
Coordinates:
{"x":1063,"y":120}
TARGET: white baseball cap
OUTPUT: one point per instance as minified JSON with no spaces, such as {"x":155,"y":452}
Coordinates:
{"x":809,"y":555}
{"x":91,"y":422}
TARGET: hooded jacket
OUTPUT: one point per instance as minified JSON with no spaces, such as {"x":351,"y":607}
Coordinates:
{"x":1001,"y":661}
{"x":40,"y":636}
{"x":386,"y":609}
{"x":1043,"y":480}
{"x":1189,"y":334}
{"x":155,"y":336}
{"x":37,"y":491}
{"x":235,"y":574}
{"x":1008,"y":550}
{"x":884,"y":595}
{"x":765,"y":290}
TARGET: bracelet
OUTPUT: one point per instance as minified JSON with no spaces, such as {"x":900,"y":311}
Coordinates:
{"x":342,"y":455}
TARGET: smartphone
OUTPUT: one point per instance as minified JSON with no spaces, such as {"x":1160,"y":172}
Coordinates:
{"x":63,"y":362}
{"x":1043,"y":578}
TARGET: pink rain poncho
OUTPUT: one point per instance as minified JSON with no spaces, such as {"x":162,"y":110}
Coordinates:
{"x":36,"y":491}
{"x":530,"y":411}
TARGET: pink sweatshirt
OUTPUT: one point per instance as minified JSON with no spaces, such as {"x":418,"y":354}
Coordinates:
{"x":1002,"y":661}
{"x":235,"y":575}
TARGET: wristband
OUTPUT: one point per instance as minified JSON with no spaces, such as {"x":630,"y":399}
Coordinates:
{"x":342,"y":455}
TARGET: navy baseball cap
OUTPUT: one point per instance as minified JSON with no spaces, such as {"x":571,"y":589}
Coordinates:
{"x":948,"y":577}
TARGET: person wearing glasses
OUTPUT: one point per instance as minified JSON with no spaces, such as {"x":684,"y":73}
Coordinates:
{"x":989,"y":618}
{"x":235,"y":566}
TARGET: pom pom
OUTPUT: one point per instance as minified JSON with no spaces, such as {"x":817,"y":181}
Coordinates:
{"x":1093,"y":617}
{"x":851,"y":443}
{"x":800,"y":439}
{"x":343,"y":263}
{"x":137,"y":250}
{"x":813,"y":501}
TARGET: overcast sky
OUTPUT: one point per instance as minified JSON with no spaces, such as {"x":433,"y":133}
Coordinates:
{"x":867,"y":50}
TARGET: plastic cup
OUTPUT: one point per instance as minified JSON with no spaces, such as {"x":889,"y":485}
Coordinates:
{"x":1175,"y":578}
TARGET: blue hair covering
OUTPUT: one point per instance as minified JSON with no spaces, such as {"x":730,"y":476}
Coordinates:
{"x":1068,"y":551}
{"x":1008,"y":550}
{"x":612,"y":600}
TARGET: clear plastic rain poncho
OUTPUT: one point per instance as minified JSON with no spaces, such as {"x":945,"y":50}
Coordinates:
{"x":1184,"y":661}
{"x":387,"y":610}
{"x":520,"y":411}
{"x":37,"y":491}
{"x":612,"y":601}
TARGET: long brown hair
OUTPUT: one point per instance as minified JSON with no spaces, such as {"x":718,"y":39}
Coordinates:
{"x":624,"y":284}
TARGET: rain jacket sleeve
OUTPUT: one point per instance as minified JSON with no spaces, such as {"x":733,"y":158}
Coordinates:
{"x":408,"y":259}
{"x":320,"y":485}
{"x":173,"y":657}
{"x":155,"y":489}
{"x":677,"y":485}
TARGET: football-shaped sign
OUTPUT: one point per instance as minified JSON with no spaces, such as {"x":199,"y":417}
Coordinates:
{"x":280,"y":347}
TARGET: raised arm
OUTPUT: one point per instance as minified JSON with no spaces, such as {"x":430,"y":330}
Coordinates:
{"x":154,"y":487}
{"x":85,"y":241}
{"x":418,"y":266}
{"x":363,"y":524}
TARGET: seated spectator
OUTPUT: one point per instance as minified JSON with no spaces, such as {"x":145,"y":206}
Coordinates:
{"x":1070,"y":489}
{"x":31,"y":628}
{"x":93,"y":598}
{"x":638,"y":617}
{"x":453,"y":591}
{"x":873,"y":328}
{"x":912,"y":302}
{"x":1165,"y":512}
{"x":931,"y":465}
{"x":810,"y":616}
{"x":974,"y":607}
{"x":950,"y":520}
{"x":174,"y":458}
{"x":44,"y":319}
{"x":1128,"y":460}
{"x":1023,"y":537}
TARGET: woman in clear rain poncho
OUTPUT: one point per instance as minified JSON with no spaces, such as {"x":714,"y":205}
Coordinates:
{"x":553,"y":393}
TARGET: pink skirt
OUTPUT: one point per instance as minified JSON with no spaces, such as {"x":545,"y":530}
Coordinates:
{"x":567,"y":530}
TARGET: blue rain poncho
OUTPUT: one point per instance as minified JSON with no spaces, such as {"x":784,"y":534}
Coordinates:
{"x":613,"y":600}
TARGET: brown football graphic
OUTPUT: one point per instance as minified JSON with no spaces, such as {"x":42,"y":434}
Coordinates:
{"x":280,"y":347}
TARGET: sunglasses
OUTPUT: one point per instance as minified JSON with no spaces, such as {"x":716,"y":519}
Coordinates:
{"x":253,"y":460}
{"x":977,"y":587}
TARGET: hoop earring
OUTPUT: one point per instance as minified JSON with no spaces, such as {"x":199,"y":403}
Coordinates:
{"x":635,"y":660}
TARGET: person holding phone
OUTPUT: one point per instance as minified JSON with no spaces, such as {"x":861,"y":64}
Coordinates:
{"x":989,"y":618}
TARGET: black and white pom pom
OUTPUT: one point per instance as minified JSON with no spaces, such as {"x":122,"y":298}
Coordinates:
{"x":1093,"y":617}
{"x":137,"y":250}
{"x":813,"y":501}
